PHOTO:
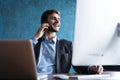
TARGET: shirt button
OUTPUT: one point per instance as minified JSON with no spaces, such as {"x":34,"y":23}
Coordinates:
{"x":43,"y":69}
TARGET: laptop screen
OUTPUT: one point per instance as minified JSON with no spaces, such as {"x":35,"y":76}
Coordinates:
{"x":17,"y":60}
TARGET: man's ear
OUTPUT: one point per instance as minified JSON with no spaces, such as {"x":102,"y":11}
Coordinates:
{"x":46,"y":21}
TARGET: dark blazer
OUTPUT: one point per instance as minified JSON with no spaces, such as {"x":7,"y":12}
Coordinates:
{"x":63,"y":56}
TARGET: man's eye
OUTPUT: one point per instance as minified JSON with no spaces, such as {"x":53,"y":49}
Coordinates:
{"x":52,"y":17}
{"x":59,"y":18}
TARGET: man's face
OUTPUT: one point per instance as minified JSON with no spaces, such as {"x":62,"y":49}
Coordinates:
{"x":54,"y":22}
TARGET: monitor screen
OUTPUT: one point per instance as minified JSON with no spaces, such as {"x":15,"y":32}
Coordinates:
{"x":97,"y":33}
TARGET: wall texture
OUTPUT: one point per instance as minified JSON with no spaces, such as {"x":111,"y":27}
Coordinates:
{"x":20,"y":19}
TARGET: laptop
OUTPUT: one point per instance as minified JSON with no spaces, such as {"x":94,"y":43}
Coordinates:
{"x":17,"y":60}
{"x":97,"y":33}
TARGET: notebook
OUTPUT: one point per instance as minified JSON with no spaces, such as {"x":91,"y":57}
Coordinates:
{"x":17,"y":60}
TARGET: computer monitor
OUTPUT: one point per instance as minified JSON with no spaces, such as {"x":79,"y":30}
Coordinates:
{"x":97,"y":33}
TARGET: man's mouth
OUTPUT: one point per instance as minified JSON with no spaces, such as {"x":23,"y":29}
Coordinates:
{"x":57,"y":25}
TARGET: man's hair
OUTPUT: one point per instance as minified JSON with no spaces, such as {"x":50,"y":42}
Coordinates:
{"x":46,"y":14}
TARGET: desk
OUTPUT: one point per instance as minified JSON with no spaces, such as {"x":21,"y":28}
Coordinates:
{"x":111,"y":75}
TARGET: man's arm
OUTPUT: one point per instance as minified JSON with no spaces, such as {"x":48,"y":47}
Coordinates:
{"x":89,"y":69}
{"x":81,"y":69}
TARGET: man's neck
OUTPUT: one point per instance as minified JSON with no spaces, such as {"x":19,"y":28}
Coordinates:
{"x":50,"y":35}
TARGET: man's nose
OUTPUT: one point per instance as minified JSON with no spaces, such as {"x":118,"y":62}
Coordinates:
{"x":57,"y":20}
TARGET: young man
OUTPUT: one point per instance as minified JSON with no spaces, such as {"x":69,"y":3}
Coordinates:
{"x":54,"y":55}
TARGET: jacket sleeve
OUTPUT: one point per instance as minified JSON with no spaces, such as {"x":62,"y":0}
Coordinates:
{"x":81,"y":69}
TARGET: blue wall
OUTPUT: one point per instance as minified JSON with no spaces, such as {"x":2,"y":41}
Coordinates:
{"x":20,"y":19}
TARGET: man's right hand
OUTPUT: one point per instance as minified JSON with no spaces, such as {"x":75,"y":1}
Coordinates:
{"x":41,"y":31}
{"x":98,"y":69}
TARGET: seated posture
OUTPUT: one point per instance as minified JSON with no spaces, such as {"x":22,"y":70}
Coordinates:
{"x":53,"y":55}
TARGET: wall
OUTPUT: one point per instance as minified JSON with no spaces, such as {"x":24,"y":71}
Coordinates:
{"x":20,"y":19}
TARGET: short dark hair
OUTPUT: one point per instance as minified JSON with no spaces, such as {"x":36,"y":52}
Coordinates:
{"x":47,"y":13}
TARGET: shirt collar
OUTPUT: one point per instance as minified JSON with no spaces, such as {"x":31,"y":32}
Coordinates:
{"x":54,"y":40}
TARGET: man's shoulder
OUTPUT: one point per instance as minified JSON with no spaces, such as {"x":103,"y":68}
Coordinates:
{"x":64,"y":42}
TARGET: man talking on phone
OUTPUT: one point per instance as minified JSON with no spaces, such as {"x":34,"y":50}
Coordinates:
{"x":54,"y":55}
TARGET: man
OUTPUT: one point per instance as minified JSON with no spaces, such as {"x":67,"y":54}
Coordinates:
{"x":54,"y":55}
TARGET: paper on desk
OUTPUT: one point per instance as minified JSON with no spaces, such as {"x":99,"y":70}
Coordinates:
{"x":95,"y":76}
{"x":113,"y":75}
{"x":42,"y":77}
{"x":79,"y":77}
{"x":61,"y":76}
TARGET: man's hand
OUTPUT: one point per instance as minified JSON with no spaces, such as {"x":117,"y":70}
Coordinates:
{"x":95,"y":69}
{"x":41,"y":30}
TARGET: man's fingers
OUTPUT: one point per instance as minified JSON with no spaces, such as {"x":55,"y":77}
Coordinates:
{"x":100,"y":69}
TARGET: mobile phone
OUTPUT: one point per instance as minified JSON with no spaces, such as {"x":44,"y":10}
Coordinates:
{"x":49,"y":28}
